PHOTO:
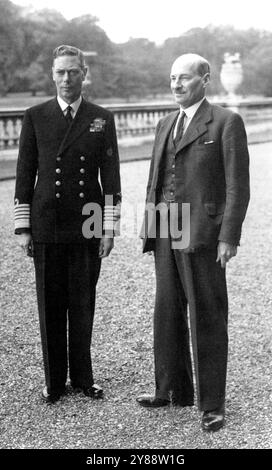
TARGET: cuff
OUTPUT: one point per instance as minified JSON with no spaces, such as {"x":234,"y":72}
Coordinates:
{"x":22,"y":217}
{"x":111,"y":221}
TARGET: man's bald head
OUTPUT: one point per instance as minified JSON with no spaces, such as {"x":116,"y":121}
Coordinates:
{"x":190,"y":74}
{"x":198,"y":63}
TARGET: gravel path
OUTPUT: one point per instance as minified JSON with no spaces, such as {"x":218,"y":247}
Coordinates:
{"x":122,"y":342}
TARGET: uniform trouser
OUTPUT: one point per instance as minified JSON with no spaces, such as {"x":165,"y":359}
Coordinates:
{"x":195,"y":279}
{"x":66,"y":277}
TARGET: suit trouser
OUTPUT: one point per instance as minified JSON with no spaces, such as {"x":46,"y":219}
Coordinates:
{"x":66,"y":277}
{"x":195,"y":279}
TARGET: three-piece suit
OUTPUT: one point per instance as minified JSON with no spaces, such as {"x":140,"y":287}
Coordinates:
{"x":207,"y":168}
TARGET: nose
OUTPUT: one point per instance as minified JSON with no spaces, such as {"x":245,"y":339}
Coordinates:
{"x":178,"y":83}
{"x":66,"y":76}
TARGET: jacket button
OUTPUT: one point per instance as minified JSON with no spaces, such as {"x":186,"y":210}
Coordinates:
{"x":58,"y":170}
{"x":58,"y":195}
{"x":58,"y":159}
{"x":58,"y":183}
{"x":81,"y":194}
{"x":82,"y":170}
{"x":82,"y":158}
{"x":81,"y":183}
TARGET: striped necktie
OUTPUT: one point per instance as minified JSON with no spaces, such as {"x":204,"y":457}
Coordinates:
{"x":180,"y":127}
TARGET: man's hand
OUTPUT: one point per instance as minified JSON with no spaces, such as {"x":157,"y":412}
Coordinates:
{"x":25,"y":242}
{"x":225,"y":252}
{"x":105,"y":247}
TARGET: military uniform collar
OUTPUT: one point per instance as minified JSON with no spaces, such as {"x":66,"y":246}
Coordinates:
{"x":75,"y":105}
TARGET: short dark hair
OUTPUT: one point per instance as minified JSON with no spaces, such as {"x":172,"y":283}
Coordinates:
{"x":64,"y":49}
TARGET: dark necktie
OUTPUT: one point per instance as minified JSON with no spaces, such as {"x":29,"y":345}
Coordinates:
{"x":68,"y":115}
{"x":180,"y":127}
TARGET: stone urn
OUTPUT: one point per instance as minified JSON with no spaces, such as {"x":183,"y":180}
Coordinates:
{"x":231,"y":74}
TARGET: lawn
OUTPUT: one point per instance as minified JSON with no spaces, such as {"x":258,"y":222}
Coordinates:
{"x":21,"y":100}
{"x":25,"y":100}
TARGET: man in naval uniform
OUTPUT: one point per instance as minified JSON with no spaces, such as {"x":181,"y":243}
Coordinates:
{"x":65,"y":145}
{"x":200,"y":158}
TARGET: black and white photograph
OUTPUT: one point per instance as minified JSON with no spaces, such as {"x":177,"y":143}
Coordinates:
{"x":135,"y":227}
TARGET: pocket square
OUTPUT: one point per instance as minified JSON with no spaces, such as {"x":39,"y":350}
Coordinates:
{"x":209,"y":142}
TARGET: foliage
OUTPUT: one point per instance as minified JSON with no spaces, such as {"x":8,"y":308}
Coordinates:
{"x":9,"y":44}
{"x":134,"y":69}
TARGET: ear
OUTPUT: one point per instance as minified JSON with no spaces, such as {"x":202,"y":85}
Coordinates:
{"x":84,"y":71}
{"x":206,"y":79}
{"x":53,"y":74}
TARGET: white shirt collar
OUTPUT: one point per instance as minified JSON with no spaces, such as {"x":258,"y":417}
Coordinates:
{"x":75,"y":105}
{"x":190,"y":112}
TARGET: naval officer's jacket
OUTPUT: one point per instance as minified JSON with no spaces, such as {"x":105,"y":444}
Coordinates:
{"x":62,"y":168}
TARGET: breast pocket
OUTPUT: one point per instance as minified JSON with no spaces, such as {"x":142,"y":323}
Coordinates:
{"x":206,"y":147}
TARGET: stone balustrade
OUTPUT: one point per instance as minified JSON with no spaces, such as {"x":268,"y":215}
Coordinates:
{"x":140,"y":120}
{"x":10,"y":127}
{"x":130,"y":120}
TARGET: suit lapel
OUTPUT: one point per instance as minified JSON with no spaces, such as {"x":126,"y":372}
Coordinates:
{"x":163,"y":136}
{"x":197,"y":126}
{"x":82,"y":119}
{"x":56,"y":125}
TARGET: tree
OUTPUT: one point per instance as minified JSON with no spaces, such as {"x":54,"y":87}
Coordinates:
{"x":9,"y":40}
{"x":137,"y":68}
{"x":141,"y":58}
{"x":258,"y":72}
{"x":34,"y":78}
{"x":129,"y":82}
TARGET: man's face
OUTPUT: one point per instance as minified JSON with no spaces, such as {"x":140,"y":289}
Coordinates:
{"x":187,"y":86}
{"x":68,"y":77}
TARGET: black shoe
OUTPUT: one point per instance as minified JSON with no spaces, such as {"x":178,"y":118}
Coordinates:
{"x":51,"y":397}
{"x":150,"y":401}
{"x":213,"y":420}
{"x":94,"y":391}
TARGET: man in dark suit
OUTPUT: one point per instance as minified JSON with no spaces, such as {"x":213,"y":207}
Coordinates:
{"x":200,"y":157}
{"x":66,"y":144}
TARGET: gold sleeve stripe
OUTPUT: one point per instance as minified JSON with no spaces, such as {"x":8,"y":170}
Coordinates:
{"x":22,"y":216}
{"x":111,"y":216}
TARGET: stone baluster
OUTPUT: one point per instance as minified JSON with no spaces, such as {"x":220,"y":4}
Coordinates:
{"x":10,"y":128}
